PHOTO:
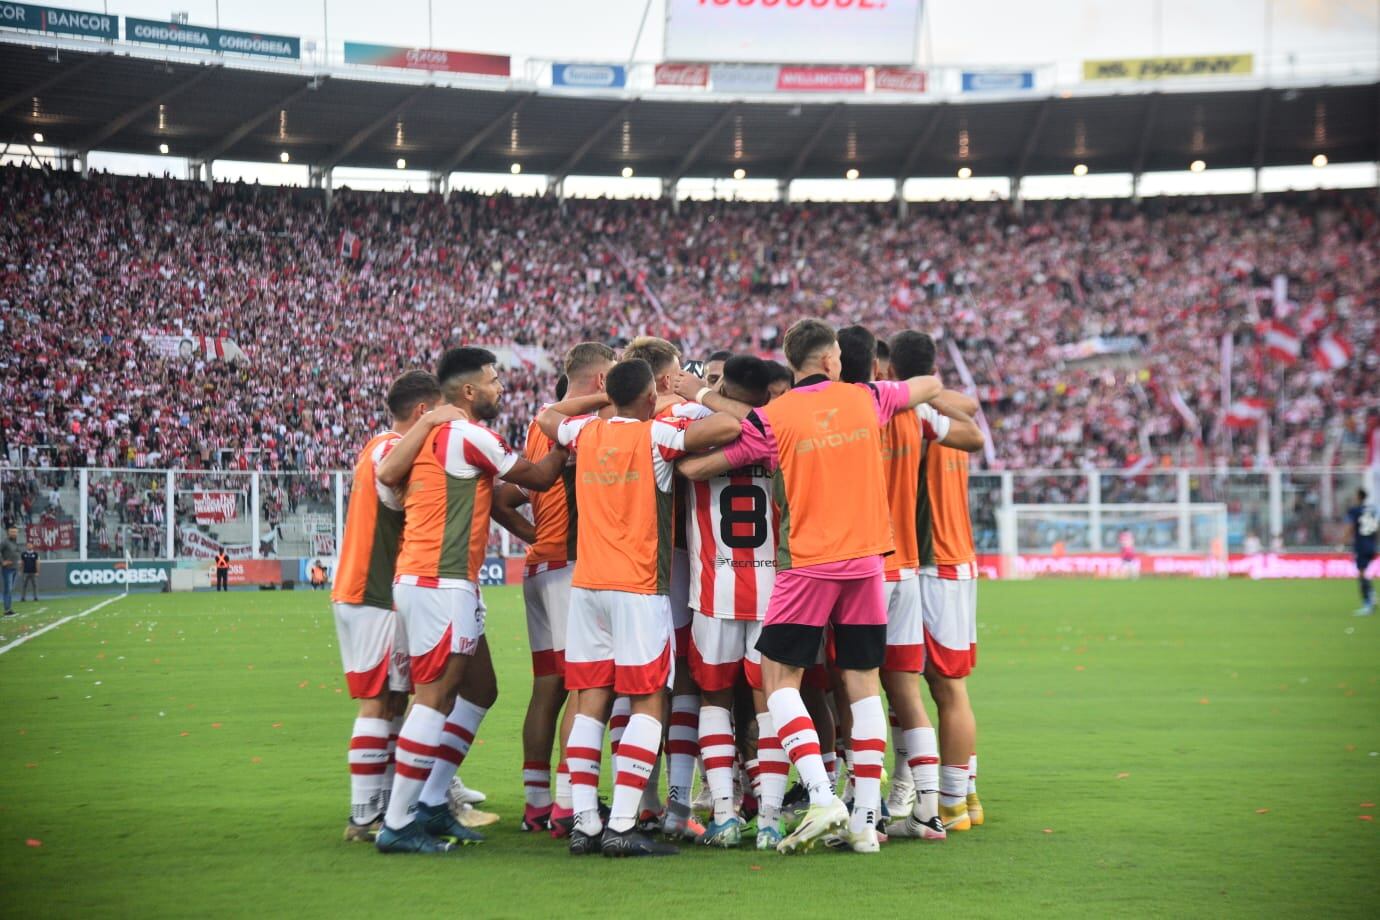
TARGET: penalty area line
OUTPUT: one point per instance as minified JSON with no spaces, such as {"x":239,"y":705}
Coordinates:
{"x":56,"y":623}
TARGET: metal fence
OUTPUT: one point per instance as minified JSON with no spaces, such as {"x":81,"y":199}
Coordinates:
{"x":189,"y":514}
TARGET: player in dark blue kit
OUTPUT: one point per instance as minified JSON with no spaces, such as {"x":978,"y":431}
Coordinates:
{"x":1364,"y":520}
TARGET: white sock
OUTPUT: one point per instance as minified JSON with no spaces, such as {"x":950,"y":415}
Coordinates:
{"x":682,"y":747}
{"x":456,"y":738}
{"x":800,"y":741}
{"x":368,"y":759}
{"x":415,"y":758}
{"x":394,"y":727}
{"x":636,"y":754}
{"x":900,"y":764}
{"x":869,"y":753}
{"x":972,"y":774}
{"x":773,"y":768}
{"x":716,"y":742}
{"x":563,"y":785}
{"x":953,"y":784}
{"x":924,"y":767}
{"x":536,"y":783}
{"x":848,"y":792}
{"x":582,"y":755}
{"x":831,"y":767}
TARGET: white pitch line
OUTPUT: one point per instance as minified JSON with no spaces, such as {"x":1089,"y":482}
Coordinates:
{"x":56,"y":623}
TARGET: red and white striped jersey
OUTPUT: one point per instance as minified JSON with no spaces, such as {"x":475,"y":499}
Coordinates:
{"x":732,"y":542}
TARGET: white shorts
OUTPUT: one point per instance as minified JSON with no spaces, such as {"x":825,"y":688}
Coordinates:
{"x":905,"y":626}
{"x":440,"y":622}
{"x":547,"y":596}
{"x":373,"y":650}
{"x":720,"y":650}
{"x":619,"y":640}
{"x":681,"y":614}
{"x":950,"y":607}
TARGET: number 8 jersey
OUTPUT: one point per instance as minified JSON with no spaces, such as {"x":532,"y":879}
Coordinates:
{"x":732,"y":542}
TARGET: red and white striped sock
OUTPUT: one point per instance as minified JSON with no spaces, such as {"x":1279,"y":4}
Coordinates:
{"x":869,"y":753}
{"x":923,"y":752}
{"x":831,"y":767}
{"x":368,"y":760}
{"x":456,"y":738}
{"x":682,"y":747}
{"x":754,"y":772}
{"x":394,"y":727}
{"x":900,"y":766}
{"x":636,"y":754}
{"x":716,"y":742}
{"x":582,"y":754}
{"x":618,"y":721}
{"x":773,"y":768}
{"x":972,"y":774}
{"x":800,"y":742}
{"x":415,"y":757}
{"x":536,"y":783}
{"x":563,"y":785}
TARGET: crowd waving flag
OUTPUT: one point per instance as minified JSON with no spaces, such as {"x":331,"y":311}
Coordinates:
{"x":1282,"y":343}
{"x":1333,"y":351}
{"x":1247,"y":412}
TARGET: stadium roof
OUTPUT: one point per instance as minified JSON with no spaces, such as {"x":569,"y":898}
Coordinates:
{"x":84,"y":100}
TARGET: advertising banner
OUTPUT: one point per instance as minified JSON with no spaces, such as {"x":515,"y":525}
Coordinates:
{"x":898,"y":80}
{"x":1155,"y":68}
{"x":489,"y":65}
{"x":50,"y":535}
{"x":807,"y":31}
{"x":250,"y":572}
{"x":792,"y":79}
{"x":682,"y":75}
{"x":57,"y":21}
{"x":206,"y":38}
{"x":997,"y":81}
{"x":88,"y":575}
{"x":1110,"y":565}
{"x":494,"y":572}
{"x":744,"y":78}
{"x":589,"y":76}
{"x":215,"y":507}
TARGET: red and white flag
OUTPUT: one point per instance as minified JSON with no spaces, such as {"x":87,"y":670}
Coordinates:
{"x":1282,"y":343}
{"x":1137,"y":464}
{"x":351,"y":247}
{"x":1333,"y":351}
{"x":1313,"y":319}
{"x":1246,"y":412}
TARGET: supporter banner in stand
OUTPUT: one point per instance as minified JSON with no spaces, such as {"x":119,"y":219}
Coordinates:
{"x":199,"y":546}
{"x":744,"y":78}
{"x":898,"y":80}
{"x":206,"y":38}
{"x":791,"y":79}
{"x":57,"y":21}
{"x":50,"y":535}
{"x":1110,"y":565}
{"x":995,"y":81}
{"x":215,"y":507}
{"x":1155,"y":68}
{"x":489,"y":65}
{"x":191,"y":347}
{"x":682,"y":75}
{"x":589,"y":76}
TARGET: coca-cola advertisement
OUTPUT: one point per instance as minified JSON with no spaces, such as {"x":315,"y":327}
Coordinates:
{"x":215,"y":507}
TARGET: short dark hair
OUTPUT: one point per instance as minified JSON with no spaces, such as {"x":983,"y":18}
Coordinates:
{"x":719,"y":356}
{"x":562,"y":385}
{"x":883,"y":350}
{"x":628,"y":380}
{"x":912,"y":354}
{"x":412,"y":388}
{"x":1363,"y":494}
{"x":461,"y":362}
{"x":805,"y":339}
{"x":749,"y":375}
{"x":776,"y":372}
{"x":587,"y":354}
{"x":857,"y":354}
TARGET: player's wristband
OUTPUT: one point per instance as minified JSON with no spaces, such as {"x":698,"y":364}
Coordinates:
{"x":699,"y":397}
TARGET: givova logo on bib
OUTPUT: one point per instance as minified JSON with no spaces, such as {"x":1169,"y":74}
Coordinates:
{"x":88,"y":576}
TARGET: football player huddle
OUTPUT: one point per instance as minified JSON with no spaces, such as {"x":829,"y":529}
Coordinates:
{"x":725,"y":573}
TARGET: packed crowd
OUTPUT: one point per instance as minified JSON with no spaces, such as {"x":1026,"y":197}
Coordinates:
{"x":92,"y":267}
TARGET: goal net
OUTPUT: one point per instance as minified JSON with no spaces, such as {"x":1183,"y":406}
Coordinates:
{"x":1114,"y":539}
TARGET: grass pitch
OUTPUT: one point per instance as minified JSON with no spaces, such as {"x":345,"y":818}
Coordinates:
{"x":1157,"y":748}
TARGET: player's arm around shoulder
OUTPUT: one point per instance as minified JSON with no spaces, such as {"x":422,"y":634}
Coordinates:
{"x":550,"y":418}
{"x":712,"y":431}
{"x":922,"y":389}
{"x":951,"y":401}
{"x":397,"y":463}
{"x":508,"y":498}
{"x":945,"y":424}
{"x":700,"y":467}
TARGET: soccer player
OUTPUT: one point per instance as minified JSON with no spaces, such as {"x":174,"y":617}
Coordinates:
{"x":1364,"y":521}
{"x":449,"y":472}
{"x":822,"y":440}
{"x":682,"y":736}
{"x":714,"y":368}
{"x":546,"y":593}
{"x":779,"y":379}
{"x":619,"y":631}
{"x":948,"y":596}
{"x":732,"y":550}
{"x":373,"y":647}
